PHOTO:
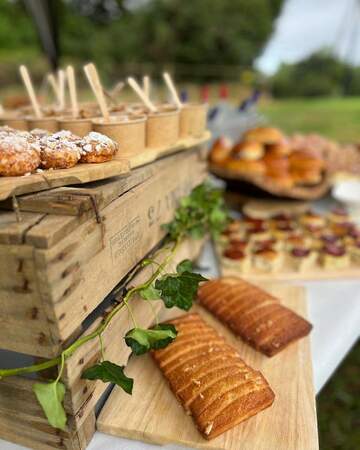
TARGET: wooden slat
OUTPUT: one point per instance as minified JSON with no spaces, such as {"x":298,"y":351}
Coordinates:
{"x":12,"y":232}
{"x":85,"y":173}
{"x":24,"y":326}
{"x":152,"y":154}
{"x":79,"y":174}
{"x":154,"y":415}
{"x":52,"y":228}
{"x":22,"y":420}
{"x":75,"y":201}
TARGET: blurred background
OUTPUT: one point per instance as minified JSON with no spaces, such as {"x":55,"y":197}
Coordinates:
{"x":296,"y":61}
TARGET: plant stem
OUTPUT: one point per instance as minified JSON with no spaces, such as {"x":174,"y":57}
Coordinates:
{"x":98,"y":331}
{"x":102,"y":347}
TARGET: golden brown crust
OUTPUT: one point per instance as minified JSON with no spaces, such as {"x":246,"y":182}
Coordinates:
{"x":264,"y":135}
{"x":303,"y":160}
{"x":247,"y":167}
{"x":97,"y":148}
{"x":220,"y":150}
{"x":60,"y":150}
{"x":253,"y":314}
{"x":248,"y":150}
{"x":18,"y":156}
{"x":285,"y":181}
{"x":210,"y":380}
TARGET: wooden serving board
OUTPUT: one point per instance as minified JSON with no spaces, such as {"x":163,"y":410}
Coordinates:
{"x":316,"y":274}
{"x":152,"y":413}
{"x":85,"y":173}
{"x":152,"y":154}
{"x":79,"y":174}
{"x":266,"y":185}
{"x":287,"y":274}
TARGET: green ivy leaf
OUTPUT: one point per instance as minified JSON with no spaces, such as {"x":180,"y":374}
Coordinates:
{"x":150,"y":293}
{"x":141,"y":341}
{"x":184,"y":266}
{"x":50,"y":396}
{"x":109,"y":372}
{"x":179,"y":289}
{"x":201,"y":212}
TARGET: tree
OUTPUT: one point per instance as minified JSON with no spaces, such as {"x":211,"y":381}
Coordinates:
{"x":321,"y":74}
{"x":183,"y":33}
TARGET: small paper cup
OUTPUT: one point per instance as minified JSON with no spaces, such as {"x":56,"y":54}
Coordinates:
{"x":46,"y":123}
{"x":128,"y":132}
{"x":79,"y":127}
{"x":19,"y":123}
{"x":162,"y":129}
{"x":193,"y":118}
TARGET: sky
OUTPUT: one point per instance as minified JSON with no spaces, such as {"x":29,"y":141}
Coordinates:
{"x":305,"y":26}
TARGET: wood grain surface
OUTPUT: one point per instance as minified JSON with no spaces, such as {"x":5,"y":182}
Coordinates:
{"x":85,"y":173}
{"x":152,"y":413}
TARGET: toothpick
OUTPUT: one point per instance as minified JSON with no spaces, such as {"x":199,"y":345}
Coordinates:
{"x":30,"y":90}
{"x":147,"y":102}
{"x":61,"y":83}
{"x":70,"y":75}
{"x":93,"y":78}
{"x":53,"y":83}
{"x":119,"y":86}
{"x":170,"y":84}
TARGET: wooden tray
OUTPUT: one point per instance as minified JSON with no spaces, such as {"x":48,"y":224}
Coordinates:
{"x":152,"y":154}
{"x":313,"y":275}
{"x":242,"y":182}
{"x":317,"y":273}
{"x":85,"y":173}
{"x":152,"y":413}
{"x":79,"y":174}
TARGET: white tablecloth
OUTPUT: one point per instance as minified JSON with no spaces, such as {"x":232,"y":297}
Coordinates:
{"x":334,"y":310}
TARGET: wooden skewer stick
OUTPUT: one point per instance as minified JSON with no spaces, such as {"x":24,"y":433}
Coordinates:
{"x":119,"y":86}
{"x":30,"y":90}
{"x":170,"y":84}
{"x":147,"y":102}
{"x":146,"y":85}
{"x":62,"y":79}
{"x":53,"y":83}
{"x":93,"y":78}
{"x":70,"y":75}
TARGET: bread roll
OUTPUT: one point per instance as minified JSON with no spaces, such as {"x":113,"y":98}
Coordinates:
{"x":249,"y":151}
{"x":264,"y":135}
{"x":246,"y":167}
{"x":220,"y":150}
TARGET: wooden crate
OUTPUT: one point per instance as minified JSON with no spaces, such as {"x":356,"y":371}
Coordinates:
{"x":56,"y":269}
{"x":21,"y":418}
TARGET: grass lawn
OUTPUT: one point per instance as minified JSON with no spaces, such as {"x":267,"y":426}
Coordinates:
{"x":337,"y":118}
{"x":338,"y":407}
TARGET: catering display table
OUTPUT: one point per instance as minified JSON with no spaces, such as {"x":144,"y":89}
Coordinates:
{"x":334,"y":310}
